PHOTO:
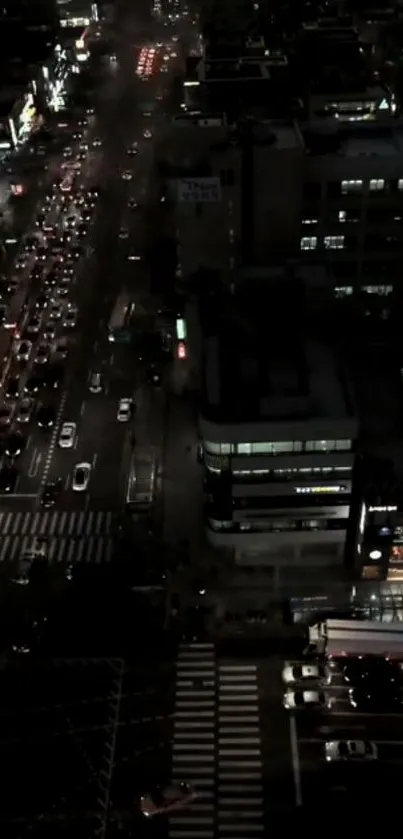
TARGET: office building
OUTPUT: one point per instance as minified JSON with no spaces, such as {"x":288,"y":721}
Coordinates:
{"x":278,"y":432}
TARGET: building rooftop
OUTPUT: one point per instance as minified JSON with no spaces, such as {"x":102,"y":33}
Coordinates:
{"x":260,"y":364}
{"x":354,"y":139}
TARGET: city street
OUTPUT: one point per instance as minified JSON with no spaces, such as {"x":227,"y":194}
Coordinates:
{"x":120,"y":103}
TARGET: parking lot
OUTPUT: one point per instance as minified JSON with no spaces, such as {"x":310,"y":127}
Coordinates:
{"x":316,"y":778}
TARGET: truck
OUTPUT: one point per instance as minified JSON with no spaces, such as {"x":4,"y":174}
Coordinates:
{"x":335,"y":638}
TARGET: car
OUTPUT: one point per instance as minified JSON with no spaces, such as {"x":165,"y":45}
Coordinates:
{"x":147,"y":133}
{"x":358,"y":670}
{"x":95,"y":385}
{"x":67,"y":435}
{"x":61,"y":348}
{"x":132,"y":204}
{"x":375,"y":697}
{"x":153,"y":375}
{"x":55,"y":310}
{"x":42,"y":302}
{"x":123,"y":233}
{"x":71,"y":221}
{"x":127,"y":176}
{"x":132,"y":150}
{"x":23,"y":350}
{"x":8,"y":478}
{"x":350,"y":750}
{"x":306,"y":672}
{"x":33,"y":384}
{"x":81,"y":477}
{"x":82,"y":231}
{"x":14,"y":444}
{"x":70,"y":318}
{"x":51,"y":279}
{"x":166,"y":799}
{"x":54,"y":375}
{"x":33,"y":326}
{"x":40,"y":220}
{"x":305,"y":700}
{"x":97,"y":142}
{"x":46,"y":416}
{"x":51,"y":492}
{"x":49,"y":333}
{"x":6,"y":412}
{"x":125,"y":410}
{"x":37,"y":272}
{"x":12,"y":387}
{"x":68,"y":269}
{"x":24,"y":410}
{"x":42,"y":354}
{"x":42,"y":253}
{"x":62,"y":289}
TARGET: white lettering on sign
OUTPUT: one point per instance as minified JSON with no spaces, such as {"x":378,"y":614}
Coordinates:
{"x":199,"y":190}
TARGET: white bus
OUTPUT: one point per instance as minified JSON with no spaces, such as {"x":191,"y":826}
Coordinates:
{"x":142,"y":480}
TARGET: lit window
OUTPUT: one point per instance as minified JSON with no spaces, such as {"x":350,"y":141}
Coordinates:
{"x":334,"y":243}
{"x":309,"y":243}
{"x":376,"y":184}
{"x":351,"y":186}
{"x":309,"y":221}
{"x":341,"y":291}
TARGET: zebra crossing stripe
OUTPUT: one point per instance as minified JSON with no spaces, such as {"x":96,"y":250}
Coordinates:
{"x":56,"y":523}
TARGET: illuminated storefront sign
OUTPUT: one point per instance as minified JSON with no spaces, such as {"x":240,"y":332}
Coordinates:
{"x":75,"y":21}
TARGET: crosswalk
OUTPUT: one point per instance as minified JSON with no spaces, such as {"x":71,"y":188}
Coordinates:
{"x":216,"y":747}
{"x":70,"y":536}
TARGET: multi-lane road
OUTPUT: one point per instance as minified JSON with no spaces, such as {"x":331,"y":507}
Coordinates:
{"x":122,"y":118}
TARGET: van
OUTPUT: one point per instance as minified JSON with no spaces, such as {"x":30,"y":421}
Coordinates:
{"x":95,"y":383}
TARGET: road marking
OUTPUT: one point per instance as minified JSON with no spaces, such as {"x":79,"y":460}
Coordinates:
{"x":34,"y":464}
{"x":295,"y":761}
{"x":94,"y":460}
{"x":82,"y":409}
{"x":52,"y":444}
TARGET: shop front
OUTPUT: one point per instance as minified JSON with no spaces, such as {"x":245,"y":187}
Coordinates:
{"x":24,"y":119}
{"x":54,"y":78}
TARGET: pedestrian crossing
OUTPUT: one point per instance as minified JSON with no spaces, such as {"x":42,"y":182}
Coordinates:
{"x":217,"y":747}
{"x":56,"y":523}
{"x":70,"y":536}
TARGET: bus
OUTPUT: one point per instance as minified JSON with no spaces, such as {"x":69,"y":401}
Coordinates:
{"x":121,"y":320}
{"x":142,"y":480}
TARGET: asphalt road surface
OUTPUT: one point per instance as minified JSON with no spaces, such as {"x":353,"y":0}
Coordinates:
{"x":121,"y":116}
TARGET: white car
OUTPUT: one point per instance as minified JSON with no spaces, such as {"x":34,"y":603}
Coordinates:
{"x":95,"y":385}
{"x":127,"y":176}
{"x":147,"y":134}
{"x":67,"y":435}
{"x":294,"y":672}
{"x":125,"y":410}
{"x":123,"y":233}
{"x":351,"y":750}
{"x":23,"y":350}
{"x":305,"y":700}
{"x":81,"y":477}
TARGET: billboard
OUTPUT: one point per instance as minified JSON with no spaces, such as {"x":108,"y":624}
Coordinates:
{"x":199,"y":190}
